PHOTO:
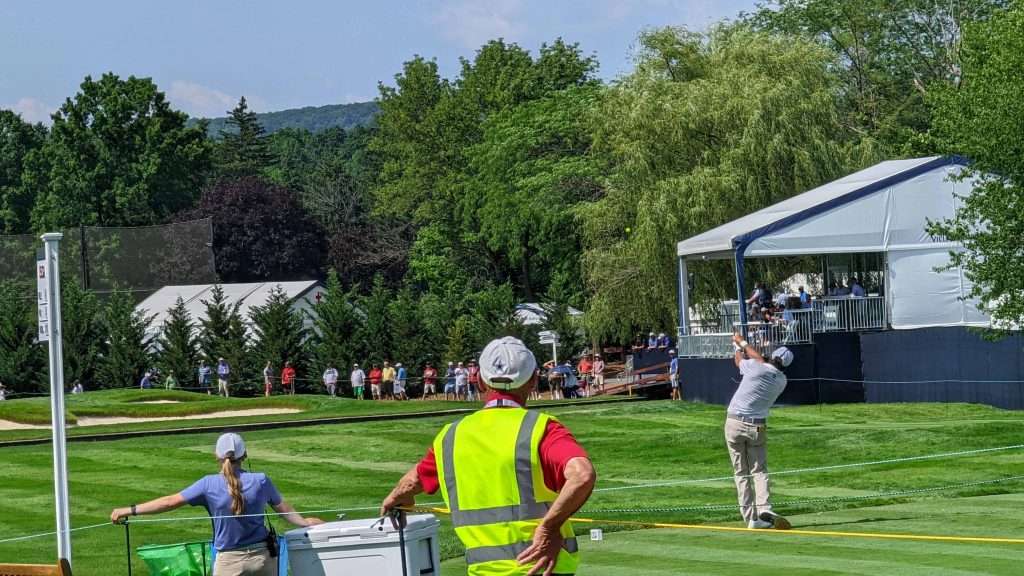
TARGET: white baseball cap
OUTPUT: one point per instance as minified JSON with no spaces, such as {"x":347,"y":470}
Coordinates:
{"x":232,"y":443}
{"x":507,"y":364}
{"x":785,"y":355}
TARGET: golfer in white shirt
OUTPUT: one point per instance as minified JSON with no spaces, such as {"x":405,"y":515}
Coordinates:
{"x":746,"y":430}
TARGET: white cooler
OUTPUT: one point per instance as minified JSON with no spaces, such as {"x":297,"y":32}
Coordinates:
{"x":355,"y":547}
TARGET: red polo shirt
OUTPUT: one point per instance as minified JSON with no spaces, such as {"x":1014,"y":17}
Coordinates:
{"x":557,"y":448}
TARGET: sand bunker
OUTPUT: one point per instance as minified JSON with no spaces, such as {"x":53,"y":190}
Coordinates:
{"x":107,"y":420}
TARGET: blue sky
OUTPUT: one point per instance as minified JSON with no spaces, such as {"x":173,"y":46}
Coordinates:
{"x":285,"y":54}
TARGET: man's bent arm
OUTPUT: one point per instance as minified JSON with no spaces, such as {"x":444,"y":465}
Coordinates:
{"x":580,"y":478}
{"x":404,"y":493}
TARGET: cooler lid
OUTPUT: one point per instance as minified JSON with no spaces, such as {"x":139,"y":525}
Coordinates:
{"x":359,"y":529}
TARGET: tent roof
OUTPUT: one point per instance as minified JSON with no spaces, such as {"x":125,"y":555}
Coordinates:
{"x":720,"y":242}
{"x":533,"y":313}
{"x":246,"y":295}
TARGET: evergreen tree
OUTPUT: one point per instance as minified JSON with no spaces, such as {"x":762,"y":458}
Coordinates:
{"x":404,"y":328}
{"x":178,"y":352}
{"x":279,"y":333}
{"x":128,"y":352}
{"x":375,"y":338}
{"x":83,"y":335}
{"x":222,"y":334}
{"x":459,"y":346}
{"x":336,"y":326}
{"x":22,"y":361}
{"x":244,"y":149}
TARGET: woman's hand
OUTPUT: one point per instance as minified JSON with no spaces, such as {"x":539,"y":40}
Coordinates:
{"x":313,"y":521}
{"x":117,"y":515}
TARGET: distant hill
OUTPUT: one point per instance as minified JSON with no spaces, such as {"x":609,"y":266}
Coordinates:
{"x":312,"y":118}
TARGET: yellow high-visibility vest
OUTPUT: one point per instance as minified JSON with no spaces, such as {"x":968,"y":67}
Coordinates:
{"x":493,"y":484}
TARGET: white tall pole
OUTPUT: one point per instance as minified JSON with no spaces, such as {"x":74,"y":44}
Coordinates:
{"x":54,"y":332}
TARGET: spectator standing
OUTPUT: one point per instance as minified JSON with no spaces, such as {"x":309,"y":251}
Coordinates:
{"x":652,"y":341}
{"x":388,"y":381}
{"x":554,"y":380}
{"x":598,"y":373}
{"x":673,"y":375}
{"x":400,"y":378}
{"x":805,"y":298}
{"x":569,"y":382}
{"x":856,"y":290}
{"x":146,"y":382}
{"x":461,"y":381}
{"x":358,"y":378}
{"x":375,"y":379}
{"x":473,"y":377}
{"x":585,"y":369}
{"x":223,"y":373}
{"x":746,"y":430}
{"x":205,"y":376}
{"x":480,"y":456}
{"x":331,"y":380}
{"x":170,"y":382}
{"x":449,"y":383}
{"x":429,"y":381}
{"x":235,"y":500}
{"x":288,"y":378}
{"x":3,"y":392}
{"x":268,"y":379}
{"x":664,"y":341}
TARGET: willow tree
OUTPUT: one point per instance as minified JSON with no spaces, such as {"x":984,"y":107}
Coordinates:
{"x":706,"y":129}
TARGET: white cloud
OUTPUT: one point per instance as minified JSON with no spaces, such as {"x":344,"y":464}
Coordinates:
{"x":473,"y":22}
{"x":199,"y":100}
{"x":32,"y":110}
{"x":205,"y":102}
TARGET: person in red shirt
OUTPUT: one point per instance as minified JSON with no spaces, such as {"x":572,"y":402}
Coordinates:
{"x":510,"y":375}
{"x":375,"y":376}
{"x":584,"y":368}
{"x":288,"y":378}
{"x":475,"y":387}
{"x":429,"y":381}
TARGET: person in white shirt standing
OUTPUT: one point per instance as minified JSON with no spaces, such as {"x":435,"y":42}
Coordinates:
{"x":746,"y":430}
{"x":358,"y":379}
{"x":331,"y":380}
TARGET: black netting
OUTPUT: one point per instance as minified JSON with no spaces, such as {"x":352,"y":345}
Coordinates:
{"x":138,"y":259}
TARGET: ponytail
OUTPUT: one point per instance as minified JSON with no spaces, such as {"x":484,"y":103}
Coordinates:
{"x":227,"y":468}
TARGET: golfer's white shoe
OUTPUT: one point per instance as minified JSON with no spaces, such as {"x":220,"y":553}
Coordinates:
{"x":774,"y":520}
{"x":759,"y":525}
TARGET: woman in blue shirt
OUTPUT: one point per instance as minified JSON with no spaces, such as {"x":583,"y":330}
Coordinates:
{"x":235,"y":499}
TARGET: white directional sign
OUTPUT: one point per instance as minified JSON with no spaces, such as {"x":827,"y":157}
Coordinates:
{"x":43,"y":297}
{"x":548,"y":336}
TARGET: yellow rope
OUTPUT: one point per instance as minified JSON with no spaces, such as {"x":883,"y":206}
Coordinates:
{"x":827,"y":533}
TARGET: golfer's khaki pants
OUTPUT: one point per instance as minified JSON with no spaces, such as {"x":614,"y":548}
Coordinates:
{"x":245,"y":563}
{"x":748,"y":451}
{"x":222,"y":387}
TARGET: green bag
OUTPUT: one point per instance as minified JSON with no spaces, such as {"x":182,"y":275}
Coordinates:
{"x":189,"y":559}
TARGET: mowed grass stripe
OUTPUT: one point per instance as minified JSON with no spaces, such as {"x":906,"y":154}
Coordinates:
{"x":339,"y":466}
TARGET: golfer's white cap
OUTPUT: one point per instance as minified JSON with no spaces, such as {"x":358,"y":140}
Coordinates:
{"x":507,"y":364}
{"x":785,"y":355}
{"x":232,"y":443}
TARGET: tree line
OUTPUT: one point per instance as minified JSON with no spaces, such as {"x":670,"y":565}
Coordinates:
{"x":525,"y":177}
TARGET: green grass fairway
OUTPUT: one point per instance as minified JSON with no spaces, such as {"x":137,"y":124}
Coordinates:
{"x":698,"y":553}
{"x":134,"y":403}
{"x":354,"y":465}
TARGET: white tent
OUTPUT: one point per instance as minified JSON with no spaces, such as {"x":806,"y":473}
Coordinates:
{"x":532,"y":313}
{"x":303,"y":296}
{"x":884,"y":209}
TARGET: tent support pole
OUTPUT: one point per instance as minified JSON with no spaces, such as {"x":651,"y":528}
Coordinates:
{"x":740,"y":289}
{"x":684,"y":299}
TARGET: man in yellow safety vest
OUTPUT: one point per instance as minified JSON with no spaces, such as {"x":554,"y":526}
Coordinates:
{"x":511,"y":477}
